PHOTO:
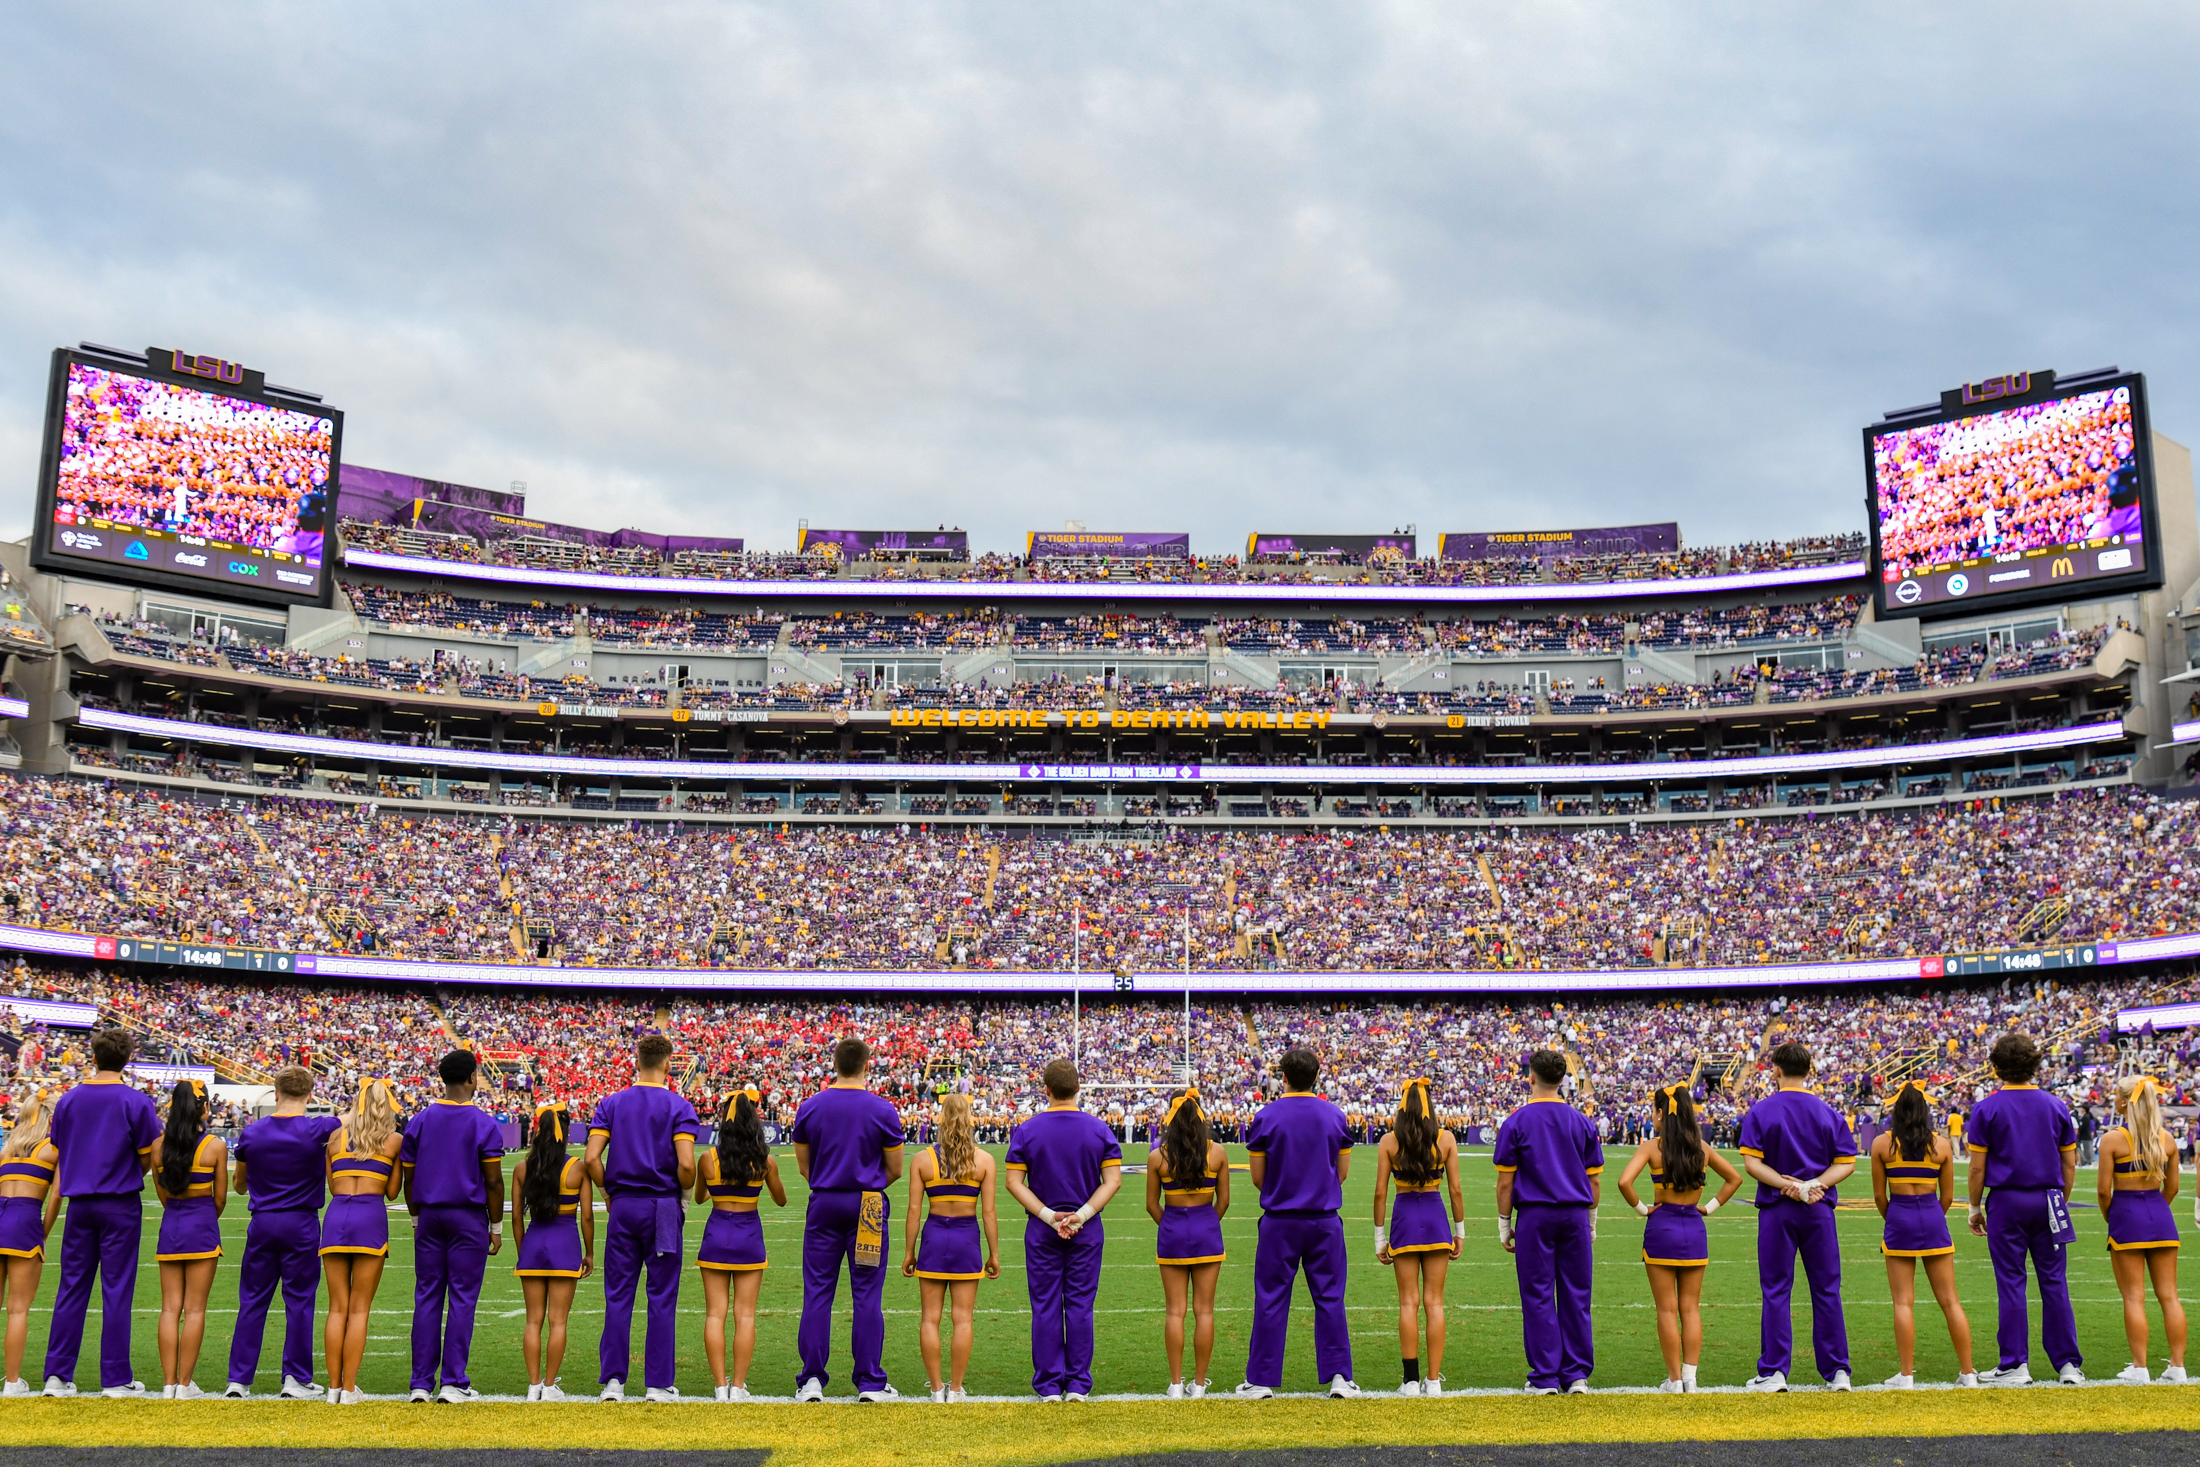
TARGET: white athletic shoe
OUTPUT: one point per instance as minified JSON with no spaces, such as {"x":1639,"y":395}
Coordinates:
{"x":1247,"y":1391}
{"x":812,"y":1389}
{"x":1195,"y":1389}
{"x":2134,"y":1375}
{"x":1176,"y":1390}
{"x":358,"y":1397}
{"x":167,"y":1393}
{"x":1901,"y":1382}
{"x":1077,"y":1396}
{"x":2175,"y":1375}
{"x":1535,"y":1390}
{"x":237,"y":1390}
{"x":16,"y":1387}
{"x":1839,"y":1382}
{"x":1578,"y":1388}
{"x":613,"y":1390}
{"x":1410,"y":1388}
{"x":660,"y":1393}
{"x":1050,"y":1400}
{"x":737,"y":1395}
{"x":301,"y":1390}
{"x":938,"y":1394}
{"x":456,"y":1395}
{"x":130,"y":1392}
{"x":1768,"y":1385}
{"x":882,"y":1394}
{"x":2019,"y":1374}
{"x":189,"y":1391}
{"x":1433,"y":1386}
{"x":1968,"y":1380}
{"x":718,"y":1394}
{"x":550,"y":1392}
{"x":534,"y":1391}
{"x":1670,"y":1387}
{"x":56,"y":1386}
{"x":420,"y":1396}
{"x":1341,"y":1389}
{"x":2070,"y":1375}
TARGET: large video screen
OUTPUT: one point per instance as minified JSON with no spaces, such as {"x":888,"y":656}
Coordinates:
{"x":2049,"y":498}
{"x":153,"y":477}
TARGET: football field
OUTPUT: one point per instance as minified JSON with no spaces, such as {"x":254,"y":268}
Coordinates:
{"x":1484,"y":1349}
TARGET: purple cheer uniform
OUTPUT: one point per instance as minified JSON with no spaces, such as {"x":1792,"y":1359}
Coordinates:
{"x":1916,"y":1224}
{"x":1300,"y":1138}
{"x":552,"y":1250}
{"x":103,"y":1130}
{"x":849,"y":1133}
{"x":1064,"y":1155}
{"x":1673,"y":1235}
{"x":444,"y":1148}
{"x":285,"y":1171}
{"x":2020,"y":1135}
{"x":190,"y":1228}
{"x":643,"y":1218}
{"x":733,"y":1236}
{"x":23,"y":1219}
{"x":1551,"y":1151}
{"x":2138,"y":1214}
{"x":950,"y":1247}
{"x":358,"y":1222}
{"x":1798,"y":1135}
{"x":1190,"y":1233}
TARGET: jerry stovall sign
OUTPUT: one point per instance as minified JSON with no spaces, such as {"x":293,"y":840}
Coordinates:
{"x":1188,"y":718}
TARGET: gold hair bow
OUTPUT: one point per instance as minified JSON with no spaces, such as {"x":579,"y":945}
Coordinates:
{"x":756,"y":1096}
{"x":198,"y":1088}
{"x":1672,"y":1094}
{"x":1407,"y":1094}
{"x":1923,"y":1094}
{"x":2147,"y":1083}
{"x":1191,"y":1092}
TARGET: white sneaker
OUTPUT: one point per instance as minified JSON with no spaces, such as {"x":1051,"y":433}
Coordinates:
{"x":1578,"y":1388}
{"x":189,"y":1391}
{"x":550,"y":1392}
{"x":167,"y":1393}
{"x":1968,"y":1380}
{"x":300,"y":1390}
{"x":2134,"y":1375}
{"x":237,"y":1390}
{"x":1176,"y":1390}
{"x":1670,"y":1387}
{"x":1901,"y":1382}
{"x":457,"y":1395}
{"x":718,"y":1394}
{"x":1050,"y":1400}
{"x":737,"y":1395}
{"x":1247,"y":1391}
{"x":16,"y":1387}
{"x":1535,"y":1390}
{"x":812,"y":1389}
{"x":938,"y":1394}
{"x":1196,"y":1389}
{"x":2070,"y":1375}
{"x":1077,"y":1396}
{"x":956,"y":1395}
{"x":56,"y":1386}
{"x":660,"y":1393}
{"x":534,"y":1391}
{"x":2019,"y":1374}
{"x":613,"y":1390}
{"x":358,"y":1397}
{"x":2171,"y":1375}
{"x":1341,"y":1389}
{"x":1839,"y":1382}
{"x":1768,"y":1385}
{"x":130,"y":1392}
{"x":420,"y":1396}
{"x":1410,"y":1388}
{"x":1433,"y":1386}
{"x":882,"y":1394}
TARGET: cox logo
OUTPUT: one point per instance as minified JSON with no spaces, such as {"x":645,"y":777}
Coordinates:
{"x":1958,"y":584}
{"x":243,"y":568}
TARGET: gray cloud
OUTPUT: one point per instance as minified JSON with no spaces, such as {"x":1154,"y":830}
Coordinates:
{"x":718,"y":267}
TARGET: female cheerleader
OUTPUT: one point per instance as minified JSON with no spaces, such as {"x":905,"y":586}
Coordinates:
{"x":1914,"y":1185}
{"x":554,"y":1236}
{"x":355,"y":1231}
{"x":2136,"y":1183}
{"x":191,"y":1178}
{"x":1676,"y":1247}
{"x":1187,"y":1194}
{"x":28,"y":1205}
{"x":1419,"y":1245}
{"x":732,"y":1176}
{"x":955,"y":1179}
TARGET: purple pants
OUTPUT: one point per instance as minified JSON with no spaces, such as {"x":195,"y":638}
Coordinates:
{"x":2016,"y":1227}
{"x":1556,"y":1263}
{"x":450,"y":1255}
{"x":1064,"y":1283}
{"x":1288,"y":1242}
{"x":635,"y":1230}
{"x":1786,"y":1228}
{"x":279,"y":1247}
{"x":828,"y":1236}
{"x":101,"y":1234}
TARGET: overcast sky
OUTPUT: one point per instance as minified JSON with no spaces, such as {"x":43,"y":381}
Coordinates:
{"x":715,"y":268}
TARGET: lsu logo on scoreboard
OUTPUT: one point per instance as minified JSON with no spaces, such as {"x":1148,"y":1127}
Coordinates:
{"x":202,"y":365}
{"x":2012,"y":384}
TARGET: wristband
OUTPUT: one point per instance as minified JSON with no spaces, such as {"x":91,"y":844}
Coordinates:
{"x":1459,"y":1231}
{"x":1049,"y":1216}
{"x":1711,"y":1207}
{"x":1382,"y":1237}
{"x":1978,"y":1213}
{"x":1084,"y":1214}
{"x":1643,"y":1209}
{"x":1504,"y":1228}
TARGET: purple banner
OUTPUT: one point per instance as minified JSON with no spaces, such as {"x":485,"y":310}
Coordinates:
{"x":1056,"y":544}
{"x":1350,"y":547}
{"x":1548,"y":544}
{"x":860,"y":544}
{"x":384,"y":498}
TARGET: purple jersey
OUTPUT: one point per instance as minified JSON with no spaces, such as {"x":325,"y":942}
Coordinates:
{"x":444,"y":1148}
{"x":1300,"y":1138}
{"x":101,"y":1129}
{"x":286,"y":1161}
{"x":1063,"y":1154}
{"x":2023,"y":1132}
{"x":1551,"y":1150}
{"x":849,"y":1131}
{"x":1798,"y":1135}
{"x":640,"y":1160}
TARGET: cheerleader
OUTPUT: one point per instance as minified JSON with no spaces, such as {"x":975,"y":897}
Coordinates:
{"x":28,"y":1206}
{"x":191,"y":1178}
{"x":554,"y":1230}
{"x":2137,"y":1182}
{"x":731,"y":1177}
{"x":1676,"y":1247}
{"x":1914,"y":1185}
{"x":1187,"y":1193}
{"x":355,"y":1232}
{"x":1420,"y":1242}
{"x":955,"y":1179}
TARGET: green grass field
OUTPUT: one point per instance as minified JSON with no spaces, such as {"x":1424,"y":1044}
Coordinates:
{"x":1484,"y":1349}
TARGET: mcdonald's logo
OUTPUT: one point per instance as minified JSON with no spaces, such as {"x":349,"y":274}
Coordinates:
{"x":2062,"y":566}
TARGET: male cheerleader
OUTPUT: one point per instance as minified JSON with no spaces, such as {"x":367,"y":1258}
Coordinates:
{"x":1301,"y":1151}
{"x":1550,"y":1168}
{"x":282,"y":1165}
{"x":1063,"y":1166}
{"x":2024,"y":1147}
{"x":847,"y":1145}
{"x":1799,"y":1149}
{"x":453,"y":1160}
{"x":641,"y":1151}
